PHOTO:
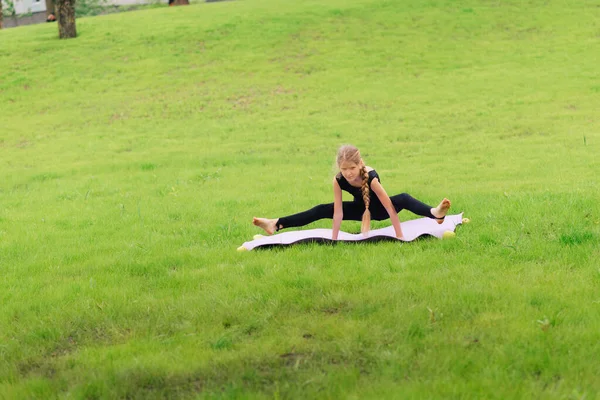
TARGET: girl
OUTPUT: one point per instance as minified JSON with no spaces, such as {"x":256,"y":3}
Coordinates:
{"x":370,"y":201}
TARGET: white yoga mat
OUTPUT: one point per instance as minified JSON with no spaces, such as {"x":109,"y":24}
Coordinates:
{"x":411,"y":229}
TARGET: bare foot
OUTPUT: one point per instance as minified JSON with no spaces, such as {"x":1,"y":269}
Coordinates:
{"x":267,"y":224}
{"x":440,"y":211}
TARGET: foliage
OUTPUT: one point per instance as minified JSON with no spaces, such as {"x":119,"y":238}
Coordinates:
{"x":132,"y":160}
{"x":100,"y":7}
{"x":8,"y":8}
{"x":90,"y":7}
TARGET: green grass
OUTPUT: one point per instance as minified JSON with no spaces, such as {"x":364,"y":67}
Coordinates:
{"x":133,"y":158}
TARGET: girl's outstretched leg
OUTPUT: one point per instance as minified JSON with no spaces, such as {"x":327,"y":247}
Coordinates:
{"x":351,"y":210}
{"x":405,"y":201}
{"x":304,"y":218}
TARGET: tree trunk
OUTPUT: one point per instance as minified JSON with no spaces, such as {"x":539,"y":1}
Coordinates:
{"x":179,"y":2}
{"x":65,"y":10}
{"x":1,"y":16}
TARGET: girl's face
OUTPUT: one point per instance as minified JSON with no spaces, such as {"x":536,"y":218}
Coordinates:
{"x":350,"y":170}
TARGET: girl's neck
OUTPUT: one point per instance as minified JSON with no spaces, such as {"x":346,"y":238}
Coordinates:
{"x":356,"y":182}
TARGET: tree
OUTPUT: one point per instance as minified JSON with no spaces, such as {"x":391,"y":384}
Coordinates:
{"x":65,"y":13}
{"x":1,"y":16}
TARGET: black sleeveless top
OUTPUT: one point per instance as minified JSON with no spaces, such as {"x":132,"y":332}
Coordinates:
{"x":355,"y":191}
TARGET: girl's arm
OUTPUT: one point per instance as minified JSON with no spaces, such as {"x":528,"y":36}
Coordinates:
{"x":338,"y":211}
{"x":387,"y":203}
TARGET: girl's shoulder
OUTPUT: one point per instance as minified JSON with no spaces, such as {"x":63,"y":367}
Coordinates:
{"x":372,"y":174}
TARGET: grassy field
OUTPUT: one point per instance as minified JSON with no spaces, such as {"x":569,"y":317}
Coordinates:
{"x":133,"y":158}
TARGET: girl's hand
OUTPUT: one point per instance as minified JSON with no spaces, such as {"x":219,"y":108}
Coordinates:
{"x":399,"y":234}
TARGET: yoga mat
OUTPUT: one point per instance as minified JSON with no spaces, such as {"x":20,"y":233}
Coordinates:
{"x":412,"y":230}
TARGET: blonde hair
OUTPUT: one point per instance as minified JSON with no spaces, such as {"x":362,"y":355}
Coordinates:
{"x":351,"y":154}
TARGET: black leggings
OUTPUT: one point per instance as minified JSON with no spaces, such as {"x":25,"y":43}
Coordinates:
{"x":353,"y":211}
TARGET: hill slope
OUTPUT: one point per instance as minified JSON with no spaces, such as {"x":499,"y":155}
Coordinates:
{"x":133,"y":158}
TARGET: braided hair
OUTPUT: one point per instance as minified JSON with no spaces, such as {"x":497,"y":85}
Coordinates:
{"x":366,"y":218}
{"x":351,"y":154}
